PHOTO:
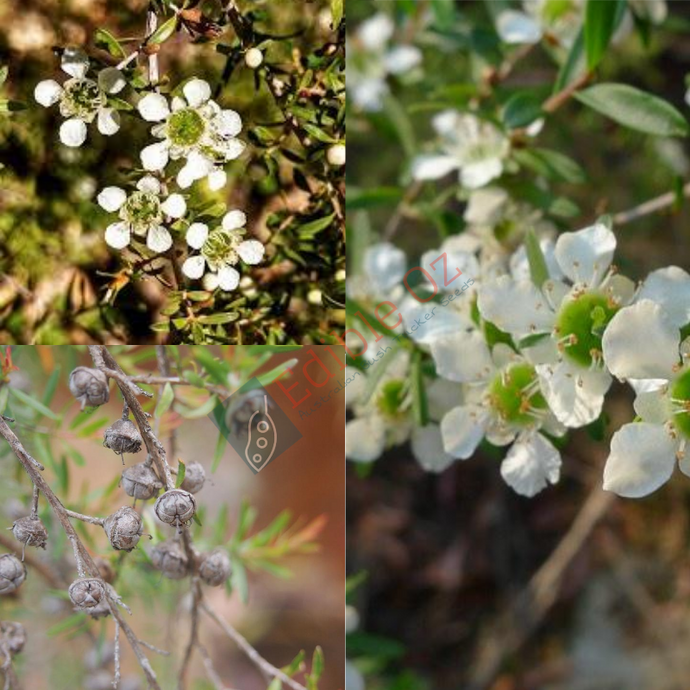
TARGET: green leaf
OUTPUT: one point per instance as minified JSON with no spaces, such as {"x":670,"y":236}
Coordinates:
{"x":163,"y":32}
{"x":239,"y":579}
{"x":550,"y":164}
{"x":319,"y":134}
{"x":601,"y":21}
{"x":164,"y":402}
{"x":34,"y":404}
{"x":521,"y":110}
{"x":270,"y":376}
{"x":218,"y":452}
{"x":337,"y":12}
{"x":217,"y":319}
{"x":420,"y":404}
{"x":366,"y":198}
{"x":181,"y":471}
{"x":537,"y":263}
{"x":635,"y":109}
{"x":74,"y":621}
{"x":4,"y":71}
{"x":93,"y":427}
{"x":51,"y":386}
{"x":573,"y":66}
{"x":104,"y":39}
{"x":400,"y":120}
{"x":315,"y":226}
{"x":203,"y":410}
{"x":318,"y":663}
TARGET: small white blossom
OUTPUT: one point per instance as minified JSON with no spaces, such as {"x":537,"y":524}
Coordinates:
{"x":82,"y":100}
{"x":559,"y":20}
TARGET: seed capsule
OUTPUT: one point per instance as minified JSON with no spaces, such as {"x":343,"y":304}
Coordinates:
{"x":124,"y":527}
{"x":89,"y":386}
{"x":12,"y":573}
{"x":13,"y":635}
{"x":30,"y":531}
{"x":123,"y":437}
{"x":170,"y":559}
{"x":102,"y":608}
{"x":86,"y":593}
{"x":175,"y":507}
{"x":194,"y":478}
{"x":215,"y":567}
{"x":140,"y":481}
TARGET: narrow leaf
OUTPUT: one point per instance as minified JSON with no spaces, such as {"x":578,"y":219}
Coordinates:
{"x":537,"y":263}
{"x":601,"y":20}
{"x":164,"y":402}
{"x":163,"y":32}
{"x":34,"y":404}
{"x":420,"y":404}
{"x":181,"y":471}
{"x":104,"y":39}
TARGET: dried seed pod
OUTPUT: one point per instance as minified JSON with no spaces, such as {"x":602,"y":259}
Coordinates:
{"x":214,"y":568}
{"x":13,"y":635}
{"x":30,"y":531}
{"x":86,"y":593}
{"x":169,"y":557}
{"x":123,"y":437}
{"x":194,"y":478}
{"x":89,"y":386}
{"x":99,"y":680}
{"x":175,"y":507}
{"x":124,"y":527}
{"x":12,"y":573}
{"x":107,"y":572}
{"x":140,"y":481}
{"x":241,"y":410}
{"x":102,"y":608}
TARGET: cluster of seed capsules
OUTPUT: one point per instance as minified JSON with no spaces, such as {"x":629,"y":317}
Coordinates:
{"x":124,"y":528}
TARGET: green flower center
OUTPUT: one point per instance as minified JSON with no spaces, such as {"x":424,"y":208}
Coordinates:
{"x":220,"y":249}
{"x":391,"y":398}
{"x":185,"y":127}
{"x":580,"y":325}
{"x":680,"y":394}
{"x":514,"y":394}
{"x":81,"y":98}
{"x":142,"y":210}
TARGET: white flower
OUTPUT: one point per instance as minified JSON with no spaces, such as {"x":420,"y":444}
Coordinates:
{"x":220,"y":250}
{"x":565,"y":323}
{"x":643,"y":342}
{"x":193,"y":128}
{"x":504,"y":404}
{"x":373,"y":60}
{"x":82,"y":100}
{"x":474,"y":147}
{"x":143,"y":213}
{"x":560,"y":20}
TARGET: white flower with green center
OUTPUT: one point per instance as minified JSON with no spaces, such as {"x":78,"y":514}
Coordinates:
{"x":474,"y":147}
{"x":82,"y":100}
{"x":504,"y":403}
{"x":194,"y":128}
{"x":220,"y":250}
{"x":557,"y":20}
{"x":645,"y":342}
{"x":143,"y":213}
{"x":564,"y":324}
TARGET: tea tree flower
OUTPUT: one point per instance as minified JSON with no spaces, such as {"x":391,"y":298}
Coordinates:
{"x":143,"y":213}
{"x":220,"y":250}
{"x":193,"y":128}
{"x":560,"y":20}
{"x":81,"y":99}
{"x":474,"y":147}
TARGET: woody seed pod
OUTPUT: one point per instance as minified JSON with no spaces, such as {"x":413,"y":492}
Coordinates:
{"x":86,"y":593}
{"x":170,"y":559}
{"x":215,"y":567}
{"x":241,"y":409}
{"x":124,"y":527}
{"x":123,"y":437}
{"x":13,"y":635}
{"x":12,"y":573}
{"x":102,"y":608}
{"x":89,"y":386}
{"x":30,"y":531}
{"x":140,"y":481}
{"x":175,"y":507}
{"x":194,"y":478}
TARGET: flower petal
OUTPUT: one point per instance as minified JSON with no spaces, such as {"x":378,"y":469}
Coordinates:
{"x":210,"y":281}
{"x":158,"y":239}
{"x":117,"y":235}
{"x":111,"y":198}
{"x":385,"y":265}
{"x":433,"y":167}
{"x":111,"y":80}
{"x":669,"y":287}
{"x":196,"y":91}
{"x":475,"y":175}
{"x":227,"y":123}
{"x":217,"y":180}
{"x":233,"y":220}
{"x":148,"y":183}
{"x":375,"y":31}
{"x":196,"y":235}
{"x":427,"y":447}
{"x":193,"y":267}
{"x":641,"y":343}
{"x":196,"y":168}
{"x":228,"y":278}
{"x":642,"y":458}
{"x":401,"y":59}
{"x":155,"y":156}
{"x":365,"y":439}
{"x":74,"y":62}
{"x":108,"y":121}
{"x":462,"y":357}
{"x":517,"y":27}
{"x":463,"y":429}
{"x":531,"y":465}
{"x":73,"y":132}
{"x":175,"y":206}
{"x":585,"y":256}
{"x":153,"y":107}
{"x":251,"y":251}
{"x":654,"y":406}
{"x":47,"y":92}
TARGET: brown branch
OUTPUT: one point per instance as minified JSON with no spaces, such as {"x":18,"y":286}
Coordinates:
{"x":165,"y":368}
{"x":650,"y":206}
{"x":558,"y":99}
{"x":193,"y":634}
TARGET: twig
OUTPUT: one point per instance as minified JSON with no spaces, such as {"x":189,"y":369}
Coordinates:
{"x":648,"y":207}
{"x":11,"y":680}
{"x":558,"y":99}
{"x":401,"y":209}
{"x":242,"y":643}
{"x":85,"y":518}
{"x":210,"y":670}
{"x":193,"y":634}
{"x":151,"y":24}
{"x":165,"y":368}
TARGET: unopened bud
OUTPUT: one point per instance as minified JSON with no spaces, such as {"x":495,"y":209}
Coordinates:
{"x":336,"y":155}
{"x":87,"y":593}
{"x":89,"y":386}
{"x":194,"y":478}
{"x":253,"y":58}
{"x":124,"y":527}
{"x":140,"y":481}
{"x":13,"y":635}
{"x":215,"y":567}
{"x":12,"y":573}
{"x":175,"y":507}
{"x":123,"y":437}
{"x":30,"y":531}
{"x":170,"y":559}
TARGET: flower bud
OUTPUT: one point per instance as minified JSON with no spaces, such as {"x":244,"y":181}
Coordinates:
{"x":124,"y":527}
{"x":140,"y":481}
{"x":175,"y":507}
{"x":30,"y":531}
{"x":253,"y":58}
{"x":170,"y":559}
{"x":87,"y":593}
{"x":123,"y":437}
{"x":215,"y":567}
{"x":13,"y":635}
{"x":89,"y":386}
{"x":12,"y":573}
{"x":336,"y":155}
{"x":194,"y":478}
